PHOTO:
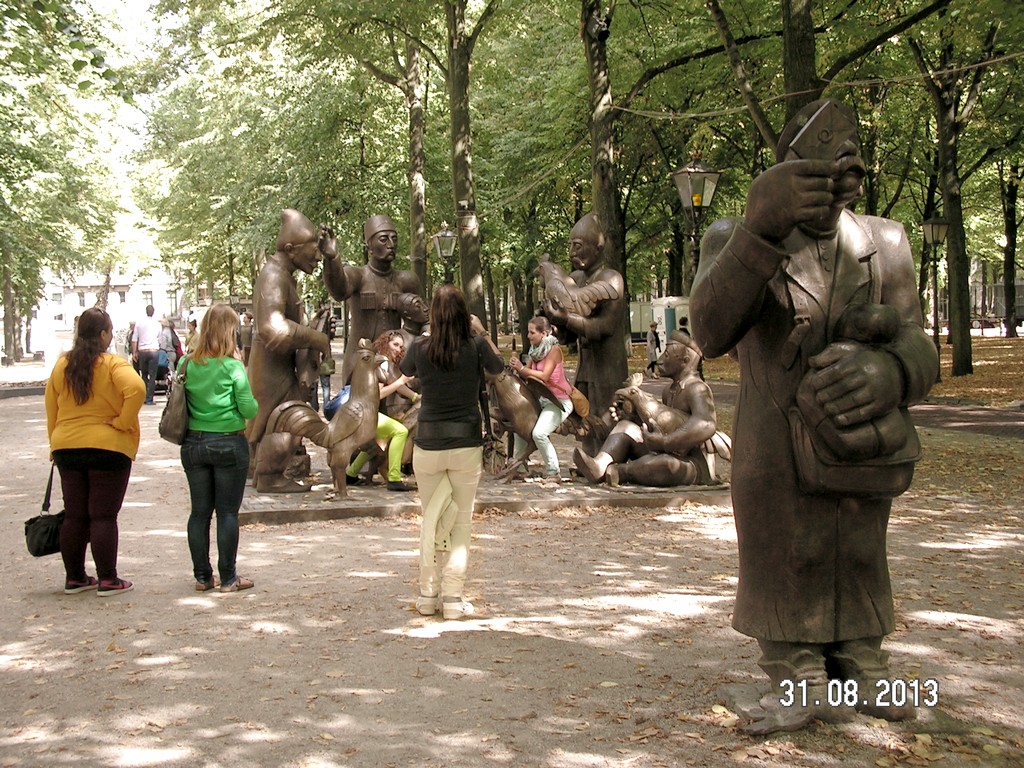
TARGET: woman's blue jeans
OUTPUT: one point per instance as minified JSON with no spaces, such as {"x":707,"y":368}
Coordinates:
{"x":216,"y":466}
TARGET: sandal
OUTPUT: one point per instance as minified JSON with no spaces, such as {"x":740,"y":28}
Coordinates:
{"x":239,"y":583}
{"x":114,"y":587}
{"x":74,"y":587}
{"x":206,"y":586}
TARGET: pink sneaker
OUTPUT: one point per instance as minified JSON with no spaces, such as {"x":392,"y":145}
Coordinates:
{"x":114,"y":587}
{"x":74,"y":587}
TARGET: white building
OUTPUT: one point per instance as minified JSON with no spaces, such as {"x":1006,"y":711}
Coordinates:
{"x":54,"y":318}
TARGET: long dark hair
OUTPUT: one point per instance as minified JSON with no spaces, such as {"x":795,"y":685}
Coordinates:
{"x":86,"y":350}
{"x":449,"y":327}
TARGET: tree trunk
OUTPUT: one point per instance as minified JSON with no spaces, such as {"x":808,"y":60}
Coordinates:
{"x":8,"y":294}
{"x":460,"y":51}
{"x":798,"y":54}
{"x":675,"y":261}
{"x":102,"y":296}
{"x":410,"y":83}
{"x":19,"y":351}
{"x":1010,"y":193}
{"x":958,"y":265}
{"x":606,"y":197}
{"x":952,"y":113}
{"x":520,"y":296}
{"x":417,"y":188}
{"x":494,"y":314}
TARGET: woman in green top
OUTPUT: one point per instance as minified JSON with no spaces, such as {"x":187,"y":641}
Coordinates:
{"x":215,"y":453}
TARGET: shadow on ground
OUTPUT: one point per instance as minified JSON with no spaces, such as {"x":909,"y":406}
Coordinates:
{"x":603,"y":639}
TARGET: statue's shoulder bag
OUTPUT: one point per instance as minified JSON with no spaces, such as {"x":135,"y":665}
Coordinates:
{"x":819,"y":471}
{"x":873,"y":460}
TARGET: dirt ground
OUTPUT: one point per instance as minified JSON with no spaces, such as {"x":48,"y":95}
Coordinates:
{"x":603,"y":635}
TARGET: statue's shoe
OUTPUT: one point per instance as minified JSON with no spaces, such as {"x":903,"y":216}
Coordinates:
{"x":587,"y":466}
{"x":611,"y":476}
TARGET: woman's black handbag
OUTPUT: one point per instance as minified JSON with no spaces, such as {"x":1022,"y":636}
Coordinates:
{"x":42,"y":532}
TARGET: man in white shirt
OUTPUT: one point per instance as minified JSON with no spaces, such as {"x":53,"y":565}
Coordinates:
{"x":146,"y":350}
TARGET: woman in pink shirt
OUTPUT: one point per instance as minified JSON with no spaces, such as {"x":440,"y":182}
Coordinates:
{"x":544,"y":364}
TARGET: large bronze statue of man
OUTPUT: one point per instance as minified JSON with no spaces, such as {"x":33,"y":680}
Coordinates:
{"x":278,"y":335}
{"x":376,"y":293}
{"x":821,"y":307}
{"x":589,"y":309}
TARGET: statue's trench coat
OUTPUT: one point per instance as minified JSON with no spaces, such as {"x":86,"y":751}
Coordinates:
{"x":811,"y":568}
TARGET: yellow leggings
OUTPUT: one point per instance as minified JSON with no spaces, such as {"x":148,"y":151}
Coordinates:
{"x":395,"y":434}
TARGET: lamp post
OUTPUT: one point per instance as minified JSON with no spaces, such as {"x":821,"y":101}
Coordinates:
{"x":444,"y":247}
{"x":696,"y":184}
{"x":934,"y":230}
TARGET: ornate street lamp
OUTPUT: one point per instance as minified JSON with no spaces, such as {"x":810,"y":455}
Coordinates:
{"x":696,"y":184}
{"x":444,"y":247}
{"x":934,"y":230}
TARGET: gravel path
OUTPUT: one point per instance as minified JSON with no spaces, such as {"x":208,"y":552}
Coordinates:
{"x":603,"y":639}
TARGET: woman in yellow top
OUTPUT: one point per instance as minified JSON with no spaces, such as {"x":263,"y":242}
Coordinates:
{"x":92,"y":418}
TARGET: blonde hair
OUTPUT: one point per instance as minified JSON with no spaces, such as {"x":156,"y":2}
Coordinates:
{"x":217,"y":336}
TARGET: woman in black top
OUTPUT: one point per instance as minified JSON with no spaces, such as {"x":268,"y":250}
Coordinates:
{"x":448,"y":453}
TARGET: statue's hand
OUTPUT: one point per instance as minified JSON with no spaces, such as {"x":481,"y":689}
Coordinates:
{"x":613,"y":412}
{"x":328,"y":243}
{"x":788,"y":194}
{"x":555,"y":312}
{"x":855,"y":382}
{"x":322,"y":343}
{"x":655,"y":441}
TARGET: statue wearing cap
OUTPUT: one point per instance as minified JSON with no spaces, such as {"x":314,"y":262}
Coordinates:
{"x":588,"y":307}
{"x":376,"y":293}
{"x":663,"y":443}
{"x":280,"y":336}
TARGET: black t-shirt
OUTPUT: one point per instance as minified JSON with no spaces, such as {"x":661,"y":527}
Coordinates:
{"x":451,"y":396}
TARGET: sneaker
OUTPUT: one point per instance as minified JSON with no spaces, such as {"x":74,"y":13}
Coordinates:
{"x":74,"y":587}
{"x":398,"y":485}
{"x":353,"y":479}
{"x":114,"y":587}
{"x":456,"y":608}
{"x":427,"y":606}
{"x":237,"y":585}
